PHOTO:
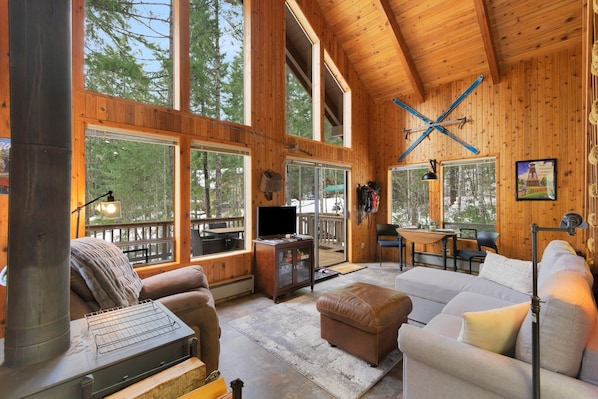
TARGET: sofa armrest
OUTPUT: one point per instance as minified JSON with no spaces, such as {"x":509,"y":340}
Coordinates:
{"x":186,"y":293}
{"x":173,"y":282}
{"x":196,"y":309}
{"x":500,"y":375}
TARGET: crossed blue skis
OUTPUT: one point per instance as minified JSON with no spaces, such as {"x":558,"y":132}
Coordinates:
{"x":440,"y":119}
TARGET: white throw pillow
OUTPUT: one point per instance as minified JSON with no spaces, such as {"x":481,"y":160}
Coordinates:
{"x":512,"y":273}
{"x":494,"y":330}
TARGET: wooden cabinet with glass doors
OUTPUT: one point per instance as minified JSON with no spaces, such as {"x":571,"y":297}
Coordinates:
{"x":283,"y":265}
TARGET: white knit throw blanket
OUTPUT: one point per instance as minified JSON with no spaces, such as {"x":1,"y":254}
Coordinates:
{"x":106,"y":271}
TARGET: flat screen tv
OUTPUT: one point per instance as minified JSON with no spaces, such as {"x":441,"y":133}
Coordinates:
{"x":276,"y":220}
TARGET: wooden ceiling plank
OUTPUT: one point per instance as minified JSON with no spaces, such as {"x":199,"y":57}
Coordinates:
{"x":403,"y":50}
{"x":482,"y":13}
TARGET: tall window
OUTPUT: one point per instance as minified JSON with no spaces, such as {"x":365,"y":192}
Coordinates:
{"x":410,"y":203}
{"x":216,"y":57}
{"x":469,"y":198}
{"x":299,"y":70}
{"x":306,"y":72}
{"x":218,"y":198}
{"x":128,"y":50}
{"x":130,"y":53}
{"x":140,"y":173}
{"x":298,"y":108}
{"x":336,"y":99}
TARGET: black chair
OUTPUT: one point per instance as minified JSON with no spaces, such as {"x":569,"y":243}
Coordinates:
{"x":217,"y":225}
{"x":202,"y":245}
{"x":196,"y":249}
{"x":485,"y":239}
{"x":383,"y":233}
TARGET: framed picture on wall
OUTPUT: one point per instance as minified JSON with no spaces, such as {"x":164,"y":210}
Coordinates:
{"x":536,"y":180}
{"x":4,"y":163}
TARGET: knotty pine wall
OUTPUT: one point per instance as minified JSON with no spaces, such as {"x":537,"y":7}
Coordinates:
{"x":265,"y":137}
{"x":536,"y":111}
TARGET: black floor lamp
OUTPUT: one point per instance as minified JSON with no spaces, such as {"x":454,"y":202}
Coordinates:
{"x":109,"y":208}
{"x":569,"y":223}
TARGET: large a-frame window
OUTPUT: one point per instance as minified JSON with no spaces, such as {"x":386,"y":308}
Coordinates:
{"x":318,"y":98}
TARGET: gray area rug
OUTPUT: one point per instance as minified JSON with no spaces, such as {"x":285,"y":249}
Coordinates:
{"x":291,"y":332}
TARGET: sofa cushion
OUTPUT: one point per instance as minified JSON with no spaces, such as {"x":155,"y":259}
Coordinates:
{"x":589,"y":362}
{"x":494,"y":330}
{"x":433,"y":284}
{"x":567,"y":315}
{"x":468,"y":301}
{"x":485,"y":287}
{"x":446,"y":325}
{"x":554,"y":249}
{"x":512,"y":273}
{"x":564,"y":262}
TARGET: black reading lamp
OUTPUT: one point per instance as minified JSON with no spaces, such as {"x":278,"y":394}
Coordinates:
{"x":430,"y":176}
{"x":569,"y":223}
{"x":109,"y":209}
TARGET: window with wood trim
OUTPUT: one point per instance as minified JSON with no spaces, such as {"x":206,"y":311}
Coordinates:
{"x":469,"y":194}
{"x":309,"y":78}
{"x":139,"y":170}
{"x":410,"y":196}
{"x":130,"y":52}
{"x":219,"y":176}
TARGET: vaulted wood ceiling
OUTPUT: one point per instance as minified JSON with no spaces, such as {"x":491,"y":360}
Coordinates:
{"x":406,"y":47}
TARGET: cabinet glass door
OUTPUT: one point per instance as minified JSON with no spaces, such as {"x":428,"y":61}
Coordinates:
{"x":285,"y":268}
{"x":303,"y":263}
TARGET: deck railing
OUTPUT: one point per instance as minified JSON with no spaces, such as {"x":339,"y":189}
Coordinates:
{"x":331,"y":228}
{"x":153,"y":242}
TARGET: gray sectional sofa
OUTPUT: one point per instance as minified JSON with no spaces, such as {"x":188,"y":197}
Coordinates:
{"x":476,"y":342}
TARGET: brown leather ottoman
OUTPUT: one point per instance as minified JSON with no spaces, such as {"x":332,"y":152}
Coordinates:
{"x":363,"y":319}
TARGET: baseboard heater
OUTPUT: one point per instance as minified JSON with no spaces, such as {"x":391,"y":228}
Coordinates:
{"x":232,"y":288}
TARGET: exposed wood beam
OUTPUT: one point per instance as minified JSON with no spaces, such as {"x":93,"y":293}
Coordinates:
{"x":403,"y":52}
{"x":480,"y":9}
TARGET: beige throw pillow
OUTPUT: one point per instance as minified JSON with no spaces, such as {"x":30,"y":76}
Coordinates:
{"x":494,"y":330}
{"x":513,"y":273}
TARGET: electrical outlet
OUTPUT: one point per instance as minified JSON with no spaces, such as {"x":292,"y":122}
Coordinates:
{"x":362,"y":245}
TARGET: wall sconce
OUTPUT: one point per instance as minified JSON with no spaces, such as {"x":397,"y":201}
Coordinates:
{"x":430,"y":176}
{"x":109,"y":209}
{"x":569,"y":223}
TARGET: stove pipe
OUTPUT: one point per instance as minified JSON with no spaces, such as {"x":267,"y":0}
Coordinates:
{"x":37,"y":312}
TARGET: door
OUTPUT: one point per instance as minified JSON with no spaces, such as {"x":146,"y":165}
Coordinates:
{"x":319,"y":193}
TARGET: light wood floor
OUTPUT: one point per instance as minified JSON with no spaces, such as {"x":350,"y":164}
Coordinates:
{"x":329,"y":257}
{"x":264,"y":375}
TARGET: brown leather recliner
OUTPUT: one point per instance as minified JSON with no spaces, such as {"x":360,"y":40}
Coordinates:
{"x":183,"y":291}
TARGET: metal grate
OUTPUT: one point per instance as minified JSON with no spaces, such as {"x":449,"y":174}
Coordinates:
{"x":117,"y":328}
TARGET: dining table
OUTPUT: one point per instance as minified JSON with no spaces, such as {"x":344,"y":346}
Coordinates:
{"x":423,"y":236}
{"x":226,"y":230}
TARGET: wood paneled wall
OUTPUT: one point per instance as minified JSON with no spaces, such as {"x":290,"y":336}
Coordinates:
{"x":534,"y":112}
